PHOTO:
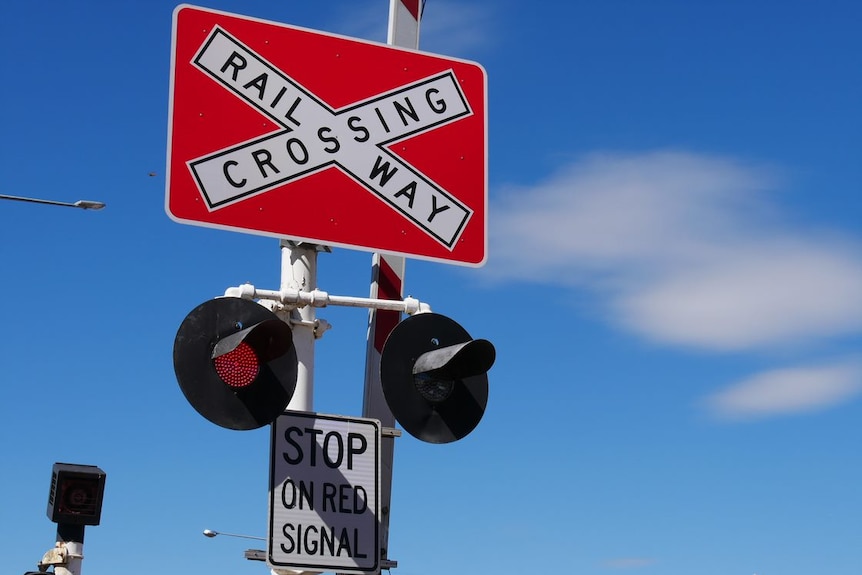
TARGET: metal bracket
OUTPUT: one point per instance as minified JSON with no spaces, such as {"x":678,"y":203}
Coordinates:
{"x":390,"y":432}
{"x":56,"y":556}
{"x":291,"y":298}
{"x":255,"y":554}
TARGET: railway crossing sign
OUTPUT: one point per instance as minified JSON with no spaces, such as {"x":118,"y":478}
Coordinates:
{"x":293,"y":133}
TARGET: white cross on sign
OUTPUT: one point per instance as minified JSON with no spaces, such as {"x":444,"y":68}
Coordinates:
{"x":314,"y":137}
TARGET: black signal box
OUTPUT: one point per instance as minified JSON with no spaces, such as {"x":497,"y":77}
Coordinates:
{"x":76,"y":494}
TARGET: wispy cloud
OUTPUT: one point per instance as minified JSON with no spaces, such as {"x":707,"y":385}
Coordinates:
{"x":683,"y":249}
{"x":761,"y":293}
{"x":687,"y":250}
{"x":789,"y":390}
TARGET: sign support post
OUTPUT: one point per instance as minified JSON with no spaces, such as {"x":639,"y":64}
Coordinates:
{"x":299,"y":272}
{"x":387,"y":282}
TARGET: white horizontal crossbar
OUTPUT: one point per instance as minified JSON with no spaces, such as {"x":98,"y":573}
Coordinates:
{"x":319,"y":298}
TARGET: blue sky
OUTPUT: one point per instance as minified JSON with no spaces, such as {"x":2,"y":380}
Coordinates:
{"x":673,"y":288}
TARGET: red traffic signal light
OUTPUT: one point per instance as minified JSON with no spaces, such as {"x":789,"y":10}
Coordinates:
{"x":434,"y":377}
{"x":235,"y":363}
{"x":76,"y":494}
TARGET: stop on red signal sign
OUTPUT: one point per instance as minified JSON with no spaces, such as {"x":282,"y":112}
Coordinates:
{"x":288,"y":132}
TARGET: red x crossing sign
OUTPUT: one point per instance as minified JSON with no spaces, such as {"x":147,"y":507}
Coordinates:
{"x":288,"y":132}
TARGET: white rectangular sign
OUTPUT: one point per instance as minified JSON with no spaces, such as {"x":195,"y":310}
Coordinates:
{"x":324,"y":493}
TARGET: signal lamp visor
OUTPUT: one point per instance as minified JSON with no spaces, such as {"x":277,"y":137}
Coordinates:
{"x":235,"y":363}
{"x":434,"y":377}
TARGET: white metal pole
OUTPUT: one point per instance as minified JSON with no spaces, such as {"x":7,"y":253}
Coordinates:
{"x":299,"y":272}
{"x":404,"y":17}
{"x":387,"y":282}
{"x":70,"y":541}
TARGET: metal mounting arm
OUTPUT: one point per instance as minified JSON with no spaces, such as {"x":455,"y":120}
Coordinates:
{"x":317,"y":298}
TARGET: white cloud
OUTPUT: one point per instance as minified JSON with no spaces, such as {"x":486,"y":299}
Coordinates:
{"x":757,"y":295}
{"x":685,"y":249}
{"x":622,"y":215}
{"x":786,"y":391}
{"x":691,"y":251}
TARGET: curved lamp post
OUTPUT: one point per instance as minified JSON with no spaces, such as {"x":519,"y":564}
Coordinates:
{"x":211,"y":533}
{"x":250,"y":554}
{"x":83,"y":204}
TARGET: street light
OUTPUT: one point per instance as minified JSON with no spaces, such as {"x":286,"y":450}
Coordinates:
{"x":250,"y":554}
{"x":83,"y":204}
{"x":211,"y":533}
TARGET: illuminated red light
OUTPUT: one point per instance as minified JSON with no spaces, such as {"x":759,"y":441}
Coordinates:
{"x":238,"y":368}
